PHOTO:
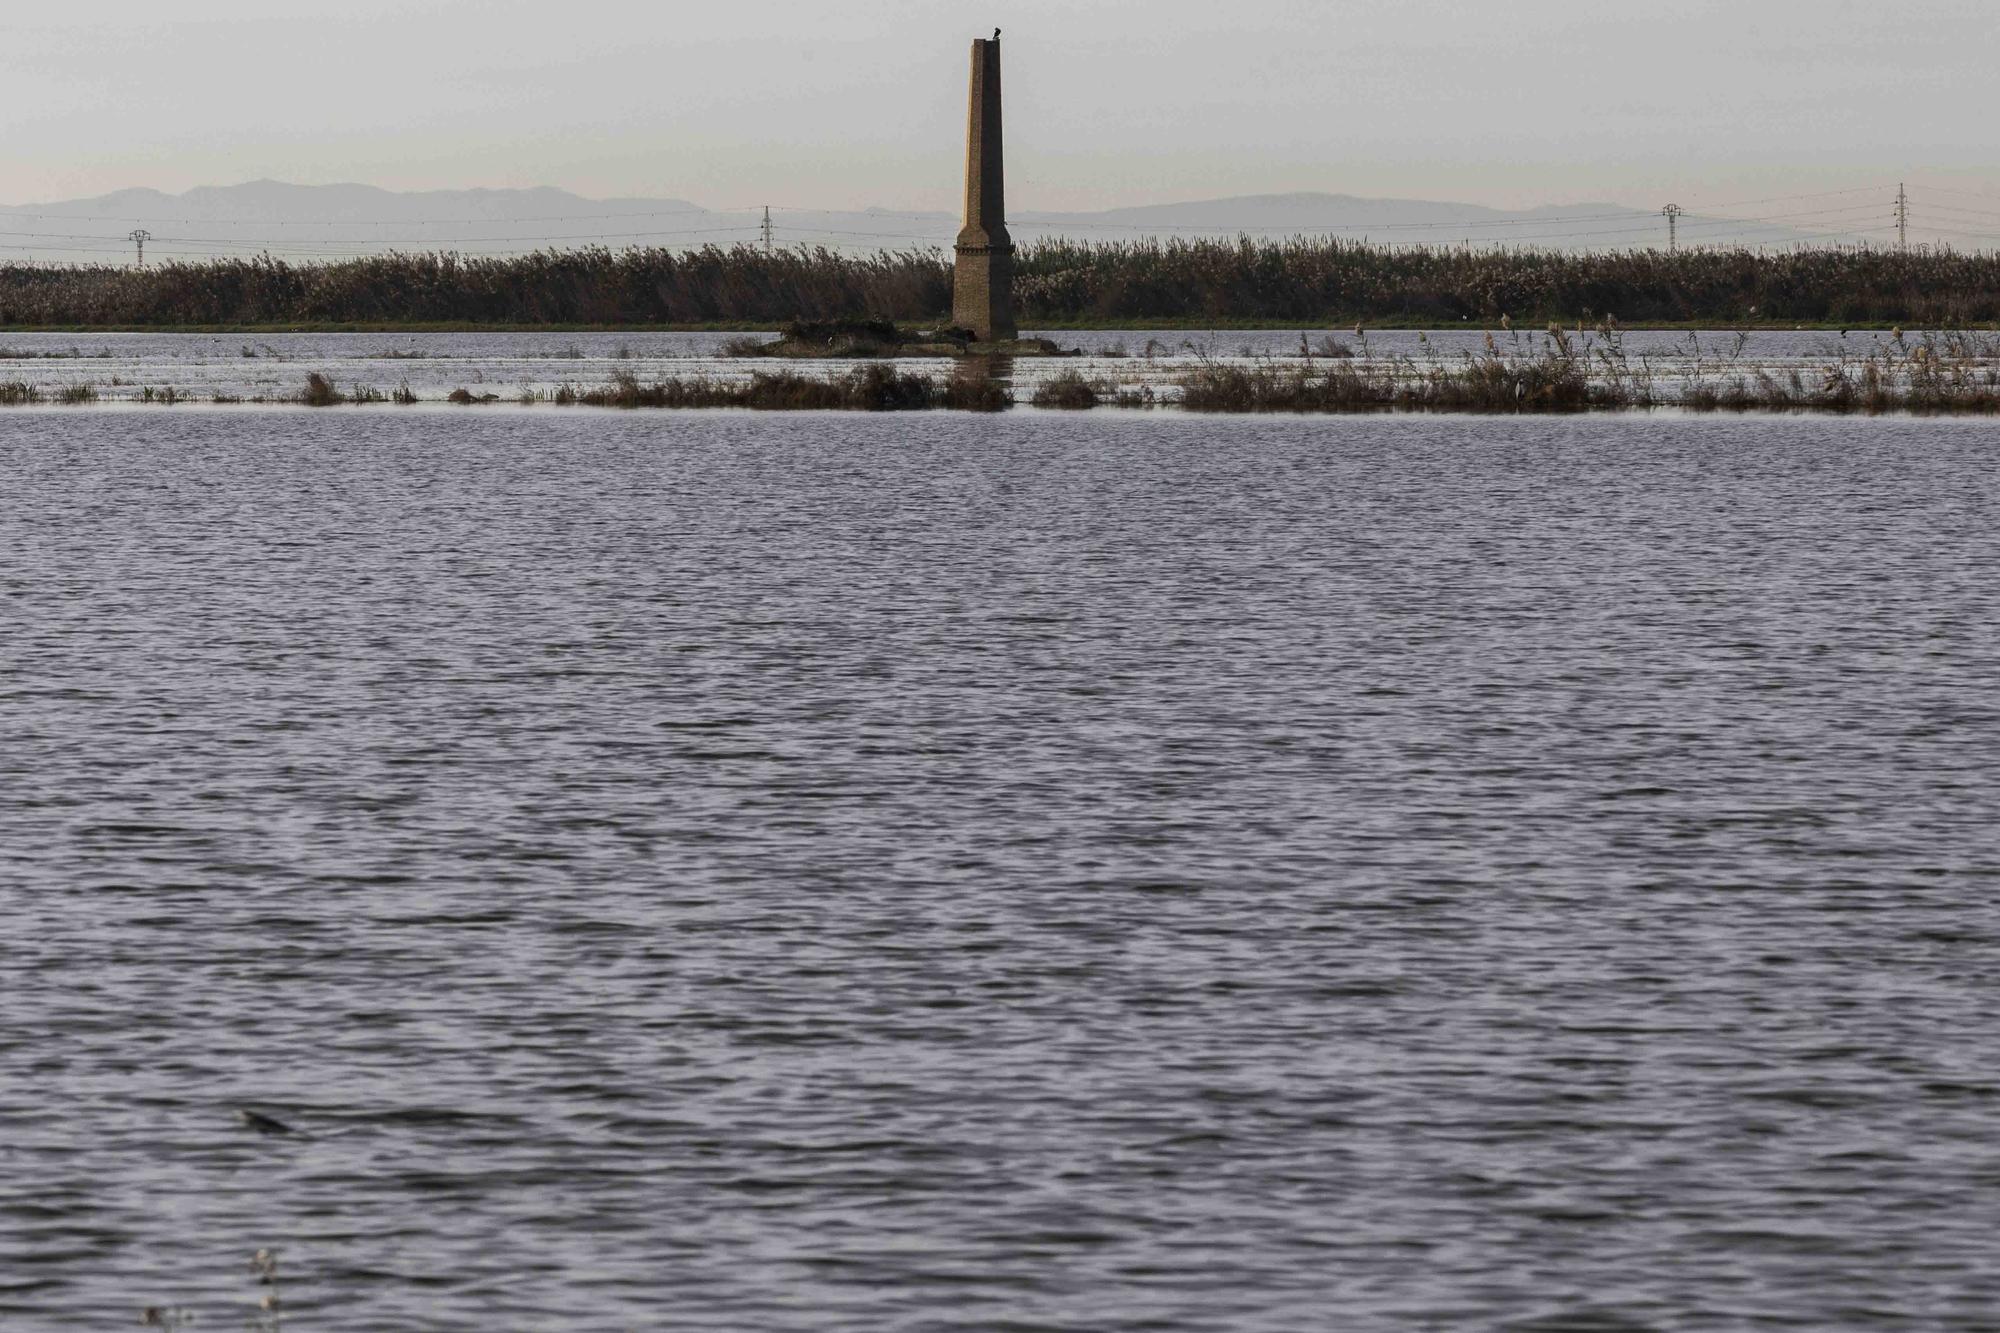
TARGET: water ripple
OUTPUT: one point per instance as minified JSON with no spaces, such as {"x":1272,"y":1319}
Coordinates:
{"x":808,"y":872}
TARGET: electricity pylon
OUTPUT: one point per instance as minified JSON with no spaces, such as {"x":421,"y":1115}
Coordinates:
{"x":1672,"y":213}
{"x":139,"y":237}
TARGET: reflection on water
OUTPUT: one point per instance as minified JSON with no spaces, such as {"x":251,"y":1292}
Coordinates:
{"x":985,"y":370}
{"x":1109,"y":872}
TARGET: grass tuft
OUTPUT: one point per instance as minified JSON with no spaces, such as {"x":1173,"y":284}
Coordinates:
{"x":1068,"y":390}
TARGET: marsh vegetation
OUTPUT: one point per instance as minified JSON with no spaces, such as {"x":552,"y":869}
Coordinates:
{"x":1321,"y":282}
{"x":1557,"y":370}
{"x":1584,"y":370}
{"x":1069,"y":390}
{"x":864,"y":389}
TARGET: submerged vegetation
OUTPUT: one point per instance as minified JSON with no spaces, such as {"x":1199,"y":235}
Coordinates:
{"x":1315,"y":282}
{"x":1557,"y":371}
{"x":866,"y":389}
{"x":1579,"y":372}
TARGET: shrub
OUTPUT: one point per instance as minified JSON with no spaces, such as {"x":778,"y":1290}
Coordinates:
{"x":1067,"y":390}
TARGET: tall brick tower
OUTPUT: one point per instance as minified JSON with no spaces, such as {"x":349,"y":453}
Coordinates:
{"x":982,"y":297}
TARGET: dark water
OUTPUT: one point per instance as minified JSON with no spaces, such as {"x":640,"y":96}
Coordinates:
{"x":1106,"y":873}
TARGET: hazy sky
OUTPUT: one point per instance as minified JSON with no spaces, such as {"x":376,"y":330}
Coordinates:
{"x":849,"y":103}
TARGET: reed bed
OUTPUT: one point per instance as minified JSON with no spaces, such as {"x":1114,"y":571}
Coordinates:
{"x":1311,"y":282}
{"x":590,"y":286}
{"x":1329,"y":282}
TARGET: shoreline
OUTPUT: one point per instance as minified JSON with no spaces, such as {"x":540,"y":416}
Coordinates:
{"x":1344,"y":325}
{"x":503,"y":405}
{"x":1950,"y":373}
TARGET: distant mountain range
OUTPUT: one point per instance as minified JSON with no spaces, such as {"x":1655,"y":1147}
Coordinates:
{"x":305,"y":222}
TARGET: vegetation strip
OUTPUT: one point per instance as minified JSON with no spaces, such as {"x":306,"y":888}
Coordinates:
{"x":1565,"y":371}
{"x":866,"y":389}
{"x":1957,"y":373}
{"x":1197,"y":283}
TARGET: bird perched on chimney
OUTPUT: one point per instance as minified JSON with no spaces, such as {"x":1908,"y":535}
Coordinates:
{"x":996,"y":34}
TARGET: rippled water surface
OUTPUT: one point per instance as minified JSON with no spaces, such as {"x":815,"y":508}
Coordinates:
{"x":785,"y":872}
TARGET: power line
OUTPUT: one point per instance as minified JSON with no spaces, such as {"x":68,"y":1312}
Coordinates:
{"x":156,"y":220}
{"x":1546,"y":225}
{"x":461,"y":240}
{"x":1953,"y":210}
{"x":941,"y":217}
{"x":1545,"y":229}
{"x":1548,"y":229}
{"x":1970,"y":194}
{"x":1789,"y":198}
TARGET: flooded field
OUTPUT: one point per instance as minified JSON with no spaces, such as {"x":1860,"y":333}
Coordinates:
{"x":1110,"y":872}
{"x":534,"y":367}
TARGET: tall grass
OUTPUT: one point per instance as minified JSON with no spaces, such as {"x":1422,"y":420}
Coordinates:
{"x":588,"y":286}
{"x":1296,"y":282}
{"x":1336,"y":282}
